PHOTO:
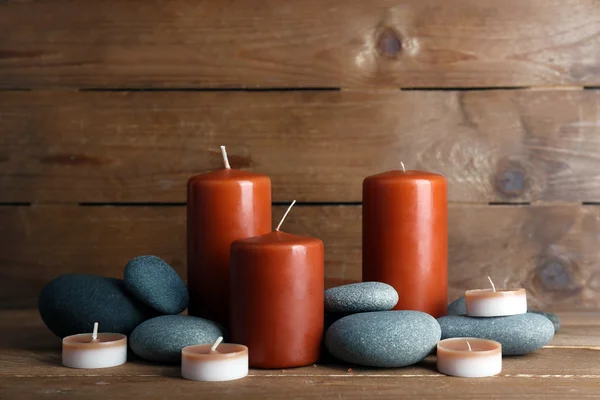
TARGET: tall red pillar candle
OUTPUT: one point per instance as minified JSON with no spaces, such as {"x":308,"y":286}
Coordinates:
{"x":277,"y":297}
{"x":405,"y":237}
{"x":222,"y":206}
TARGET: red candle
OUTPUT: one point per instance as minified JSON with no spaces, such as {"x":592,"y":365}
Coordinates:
{"x":277,"y":290}
{"x":405,"y":237}
{"x":222,"y":206}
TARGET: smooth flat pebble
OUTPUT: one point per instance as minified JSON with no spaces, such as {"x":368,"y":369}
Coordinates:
{"x":155,"y":283}
{"x":518,"y":334}
{"x":360,"y":297}
{"x":162,"y":338}
{"x":459,"y":307}
{"x":384,"y":338}
{"x":70,"y":304}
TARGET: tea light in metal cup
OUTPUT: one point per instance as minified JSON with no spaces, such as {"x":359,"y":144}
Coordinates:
{"x":495,"y":303}
{"x":469,"y":357}
{"x":214,"y":363}
{"x":94,"y":350}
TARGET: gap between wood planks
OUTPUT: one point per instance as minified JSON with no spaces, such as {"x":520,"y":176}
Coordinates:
{"x":306,"y":89}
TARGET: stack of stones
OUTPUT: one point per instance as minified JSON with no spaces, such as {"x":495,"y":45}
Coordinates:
{"x":362,"y":330}
{"x":144,"y":305}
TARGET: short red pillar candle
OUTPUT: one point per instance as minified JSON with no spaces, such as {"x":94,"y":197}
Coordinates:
{"x":405,"y":237}
{"x":222,"y":206}
{"x":277,"y":297}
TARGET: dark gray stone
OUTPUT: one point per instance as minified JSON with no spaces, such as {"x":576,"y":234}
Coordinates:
{"x":360,"y":297}
{"x":162,"y":338}
{"x":70,"y":304}
{"x":155,"y":283}
{"x":459,"y":307}
{"x":518,"y":334}
{"x":552,"y":317}
{"x":383,"y":338}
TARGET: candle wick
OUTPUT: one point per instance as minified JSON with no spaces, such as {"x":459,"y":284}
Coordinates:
{"x":95,"y":332}
{"x":225,"y":159}
{"x":402,"y":165}
{"x":493,"y":286}
{"x":217,"y":343}
{"x":469,"y":346}
{"x":285,"y":215}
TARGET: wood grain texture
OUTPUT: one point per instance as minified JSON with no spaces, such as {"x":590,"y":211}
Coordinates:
{"x":301,"y":388}
{"x":550,"y":250}
{"x":494,"y":146}
{"x":274,"y":43}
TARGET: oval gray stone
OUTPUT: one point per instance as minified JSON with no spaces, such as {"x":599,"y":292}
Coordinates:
{"x":155,"y":283}
{"x":70,"y":304}
{"x":360,"y":297}
{"x":162,"y":338}
{"x":459,"y":307}
{"x":384,"y":338}
{"x":552,"y":317}
{"x":518,"y":334}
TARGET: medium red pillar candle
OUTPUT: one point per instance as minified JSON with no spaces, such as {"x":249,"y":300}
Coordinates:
{"x":222,"y":206}
{"x":405,"y":237}
{"x":277,"y":297}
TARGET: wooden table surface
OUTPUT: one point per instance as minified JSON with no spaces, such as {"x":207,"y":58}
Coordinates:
{"x":569,"y":368}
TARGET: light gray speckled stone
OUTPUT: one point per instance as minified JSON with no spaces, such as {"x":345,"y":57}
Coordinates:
{"x":552,"y":317}
{"x":162,"y":338}
{"x":383,"y":339}
{"x":155,"y":283}
{"x":518,"y":334}
{"x":459,"y":307}
{"x":360,"y":297}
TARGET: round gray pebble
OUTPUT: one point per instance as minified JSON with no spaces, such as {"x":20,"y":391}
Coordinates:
{"x":162,"y":338}
{"x":459,"y":307}
{"x":518,"y":334}
{"x":70,"y":304}
{"x":360,"y":297}
{"x":154,"y":282}
{"x":383,"y":339}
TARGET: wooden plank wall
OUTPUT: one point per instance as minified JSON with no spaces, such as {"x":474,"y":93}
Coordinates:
{"x":107,"y":107}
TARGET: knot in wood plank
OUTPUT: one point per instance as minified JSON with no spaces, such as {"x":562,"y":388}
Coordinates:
{"x":557,"y":275}
{"x":511,"y":179}
{"x":389,"y":43}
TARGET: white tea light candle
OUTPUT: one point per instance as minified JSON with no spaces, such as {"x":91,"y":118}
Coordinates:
{"x":95,"y":350}
{"x":214,"y":363}
{"x":469,"y":357}
{"x":495,"y":303}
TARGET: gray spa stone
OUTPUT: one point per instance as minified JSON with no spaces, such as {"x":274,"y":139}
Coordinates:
{"x":155,"y":283}
{"x":70,"y":304}
{"x":162,"y":338}
{"x":518,"y":334}
{"x":383,"y":338}
{"x":360,"y":297}
{"x":459,"y":307}
{"x":552,"y":317}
